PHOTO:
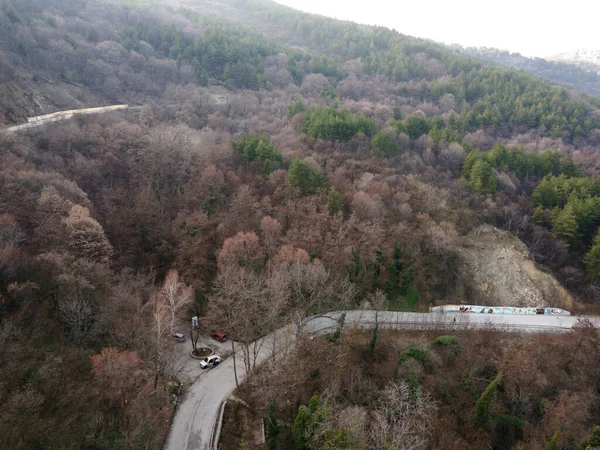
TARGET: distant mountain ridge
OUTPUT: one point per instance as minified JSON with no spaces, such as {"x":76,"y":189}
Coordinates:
{"x":579,"y":72}
{"x":588,"y":59}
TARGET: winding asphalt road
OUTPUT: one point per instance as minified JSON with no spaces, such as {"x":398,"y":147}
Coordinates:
{"x":195,"y":417}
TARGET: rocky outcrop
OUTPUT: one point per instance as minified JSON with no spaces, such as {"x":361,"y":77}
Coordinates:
{"x":495,"y":269}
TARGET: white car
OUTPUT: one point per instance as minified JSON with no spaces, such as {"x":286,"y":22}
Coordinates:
{"x":210,"y":361}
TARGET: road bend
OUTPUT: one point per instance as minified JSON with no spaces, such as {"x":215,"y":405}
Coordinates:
{"x":195,"y":416}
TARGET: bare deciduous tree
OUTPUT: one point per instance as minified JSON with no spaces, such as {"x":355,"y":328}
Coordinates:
{"x":75,"y":311}
{"x":241,"y":306}
{"x":305,"y":288}
{"x":402,"y":420}
{"x":10,"y":231}
{"x":117,"y":371}
{"x":271,"y":231}
{"x":162,"y":355}
{"x":86,"y":235}
{"x":243,"y":250}
{"x":175,"y":295}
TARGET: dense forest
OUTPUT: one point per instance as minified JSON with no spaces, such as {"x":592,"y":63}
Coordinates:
{"x":278,"y":164}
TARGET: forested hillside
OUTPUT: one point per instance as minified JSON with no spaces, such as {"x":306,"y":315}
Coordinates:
{"x":280,"y":164}
{"x":563,"y":71}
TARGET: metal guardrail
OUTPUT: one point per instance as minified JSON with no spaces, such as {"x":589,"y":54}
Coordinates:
{"x":422,"y":326}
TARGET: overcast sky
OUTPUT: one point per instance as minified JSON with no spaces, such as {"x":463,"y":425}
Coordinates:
{"x":530,"y":27}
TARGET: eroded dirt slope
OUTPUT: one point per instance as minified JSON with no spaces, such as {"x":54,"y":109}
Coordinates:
{"x":495,"y":269}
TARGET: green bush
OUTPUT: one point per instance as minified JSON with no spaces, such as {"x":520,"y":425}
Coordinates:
{"x":542,"y":406}
{"x":295,"y":108}
{"x":553,"y":441}
{"x":509,"y":430}
{"x":335,"y":201}
{"x":306,"y":179}
{"x":307,"y":422}
{"x":383,"y":145}
{"x":259,"y":148}
{"x":416,"y":126}
{"x":416,"y":353}
{"x":482,"y":412}
{"x":592,"y":259}
{"x":594,"y":440}
{"x":273,"y":428}
{"x":446,"y":340}
{"x":336,"y":125}
{"x":414,"y":384}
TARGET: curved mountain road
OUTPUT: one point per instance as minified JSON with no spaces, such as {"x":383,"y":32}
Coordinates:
{"x":195,"y":417}
{"x":39,"y":121}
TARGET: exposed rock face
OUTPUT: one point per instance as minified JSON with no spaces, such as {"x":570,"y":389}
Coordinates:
{"x":496,"y":270}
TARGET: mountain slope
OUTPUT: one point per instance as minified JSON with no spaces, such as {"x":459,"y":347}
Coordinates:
{"x":279,"y":165}
{"x":586,"y":58}
{"x":562,"y":71}
{"x":129,"y":60}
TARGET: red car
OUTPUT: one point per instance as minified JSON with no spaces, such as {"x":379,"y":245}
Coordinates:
{"x":218,"y":336}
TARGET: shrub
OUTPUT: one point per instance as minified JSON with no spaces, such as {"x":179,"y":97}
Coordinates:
{"x":383,"y":145}
{"x":305,"y":178}
{"x":446,"y":340}
{"x":336,"y":125}
{"x":414,"y":384}
{"x":482,"y":412}
{"x":416,"y":126}
{"x":295,"y":108}
{"x":273,"y":428}
{"x":258,"y":147}
{"x":417,"y":353}
{"x":594,"y":440}
{"x":509,"y":430}
{"x":553,"y":442}
{"x":307,"y":422}
{"x":335,"y":201}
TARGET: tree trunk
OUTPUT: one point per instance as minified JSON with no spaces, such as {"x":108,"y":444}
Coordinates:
{"x":194,"y":336}
{"x":247,"y":358}
{"x":237,"y":384}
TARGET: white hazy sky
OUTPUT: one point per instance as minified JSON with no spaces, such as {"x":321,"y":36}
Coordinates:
{"x":531,"y":27}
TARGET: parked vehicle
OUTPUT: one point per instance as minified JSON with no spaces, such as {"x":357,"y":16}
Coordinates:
{"x":180,"y":337}
{"x":210,"y":361}
{"x":219,"y":337}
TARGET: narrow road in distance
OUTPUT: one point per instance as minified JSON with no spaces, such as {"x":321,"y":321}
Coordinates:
{"x":37,"y":121}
